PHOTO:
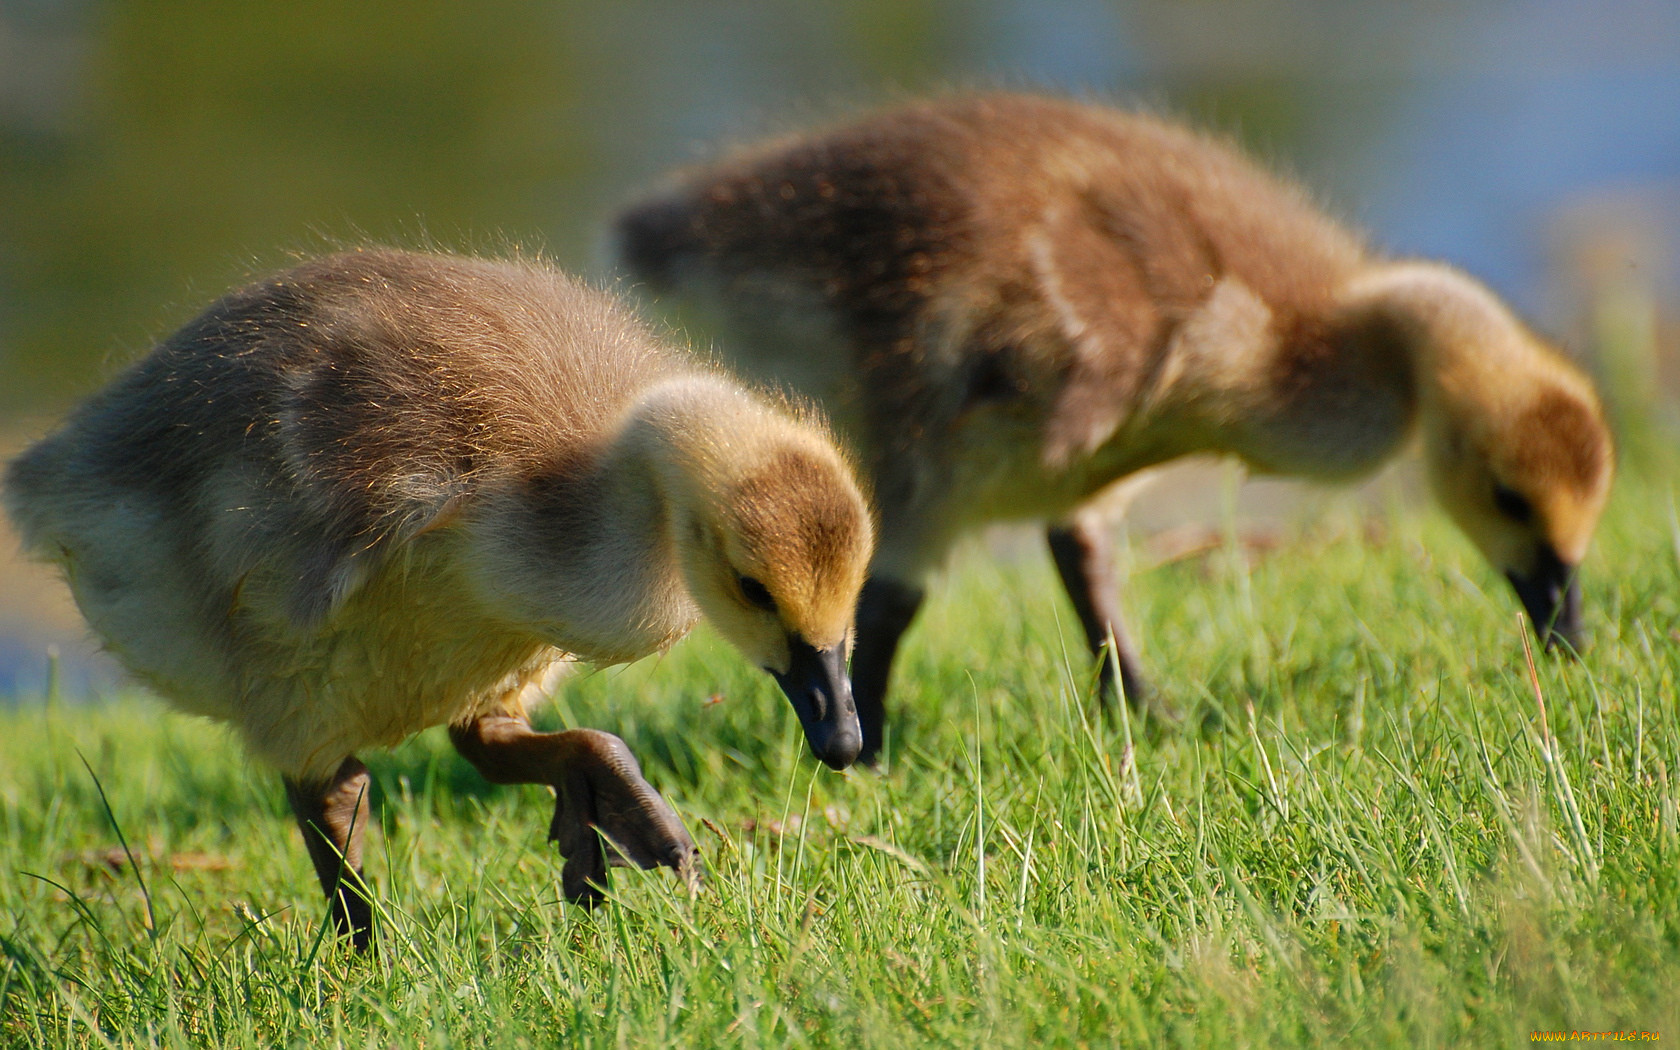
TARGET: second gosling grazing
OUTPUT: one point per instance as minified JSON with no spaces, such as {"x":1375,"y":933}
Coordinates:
{"x":1012,"y":302}
{"x":385,"y":491}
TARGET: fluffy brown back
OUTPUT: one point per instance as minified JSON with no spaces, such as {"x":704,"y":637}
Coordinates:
{"x":992,"y":248}
{"x":345,"y":406}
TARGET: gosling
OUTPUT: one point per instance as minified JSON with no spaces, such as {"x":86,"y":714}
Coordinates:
{"x":1009,"y":303}
{"x":384,"y":491}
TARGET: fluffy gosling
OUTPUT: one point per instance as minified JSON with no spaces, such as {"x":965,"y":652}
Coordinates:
{"x":385,"y":491}
{"x":1010,"y":302}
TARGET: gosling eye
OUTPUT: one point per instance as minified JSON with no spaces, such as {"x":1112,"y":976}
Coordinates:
{"x":756,"y":594}
{"x":1512,"y":504}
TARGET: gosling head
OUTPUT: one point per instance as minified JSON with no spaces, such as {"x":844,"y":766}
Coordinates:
{"x":1526,"y":480}
{"x":774,"y":539}
{"x":1514,"y":438}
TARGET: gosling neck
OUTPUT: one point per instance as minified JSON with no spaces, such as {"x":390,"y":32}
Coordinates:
{"x":1316,"y":389}
{"x":593,"y":563}
{"x":684,"y":438}
{"x":1468,"y":353}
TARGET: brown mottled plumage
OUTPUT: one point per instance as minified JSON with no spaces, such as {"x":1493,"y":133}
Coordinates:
{"x":384,"y":491}
{"x":1011,"y":302}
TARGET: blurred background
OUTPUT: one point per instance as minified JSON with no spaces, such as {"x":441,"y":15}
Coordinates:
{"x":154,"y":154}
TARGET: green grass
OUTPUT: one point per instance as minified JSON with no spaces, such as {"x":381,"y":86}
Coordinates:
{"x":1378,"y":848}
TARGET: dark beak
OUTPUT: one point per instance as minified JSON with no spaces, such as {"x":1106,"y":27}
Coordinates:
{"x":816,"y":683}
{"x":1552,"y":597}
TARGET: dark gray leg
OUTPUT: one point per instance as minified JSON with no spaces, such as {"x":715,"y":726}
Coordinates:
{"x":333,"y":815}
{"x":599,"y":791}
{"x":1084,"y":556}
{"x":885,"y":610}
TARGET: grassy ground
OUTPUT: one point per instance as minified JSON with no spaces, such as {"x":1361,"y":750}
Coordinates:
{"x":1384,"y":845}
